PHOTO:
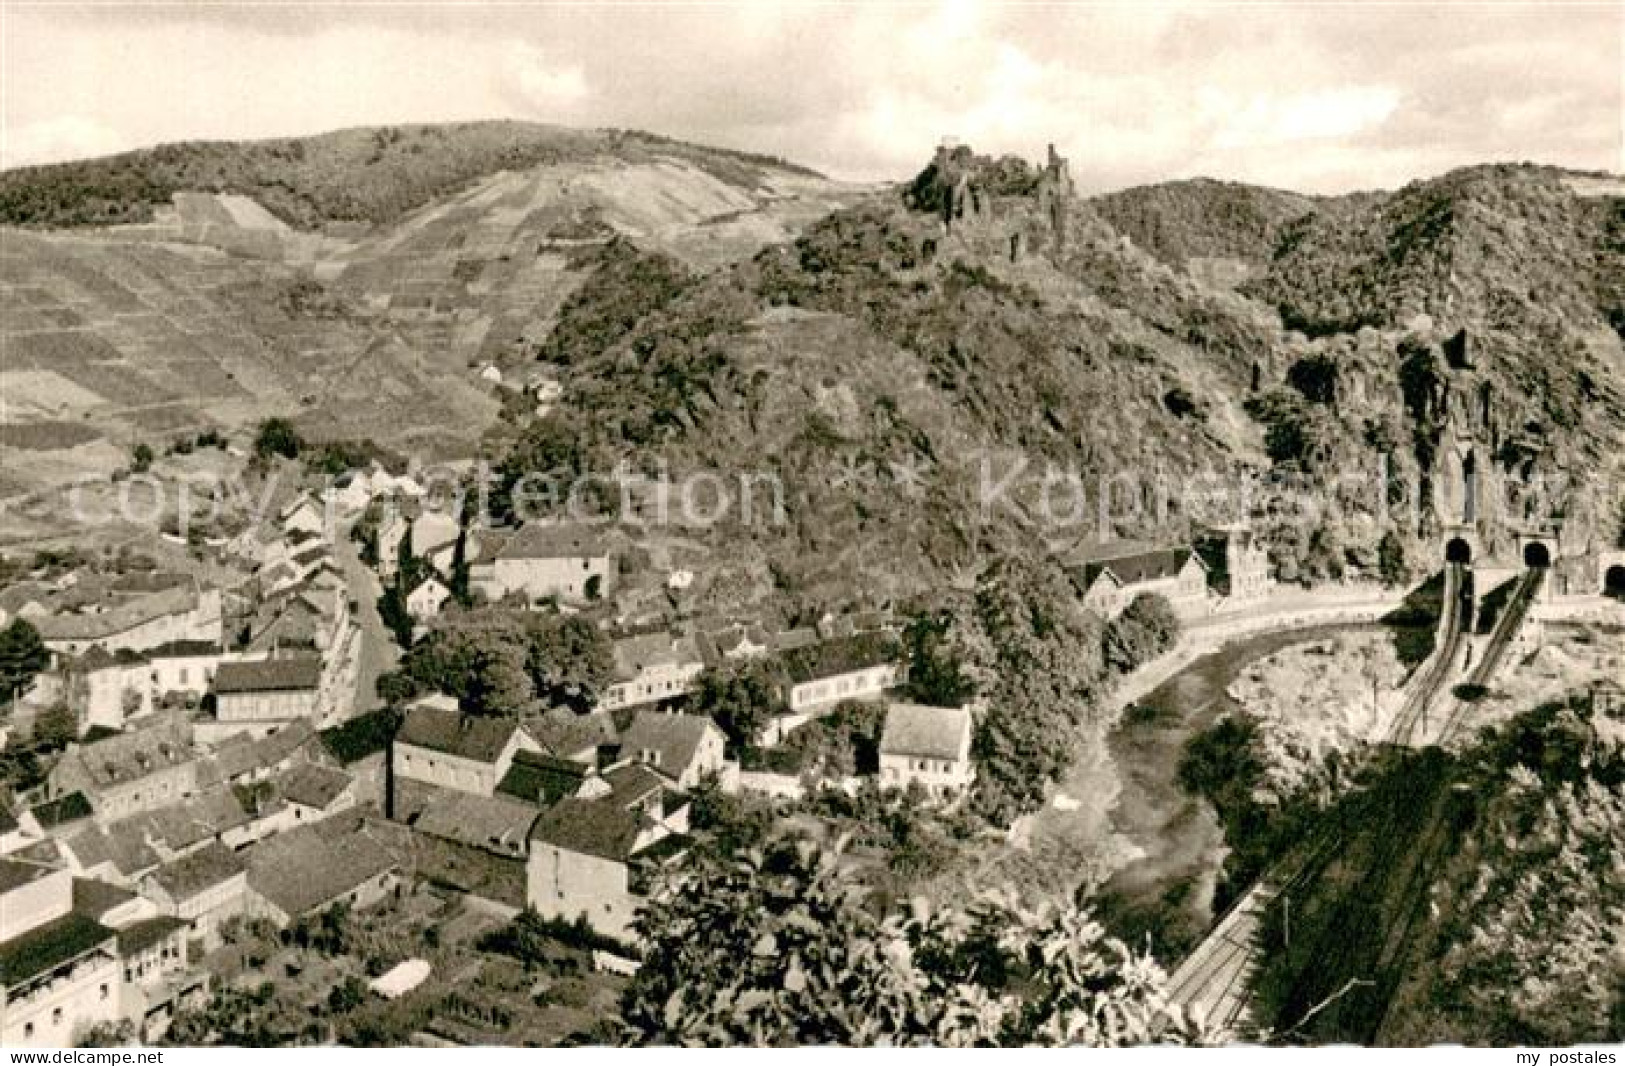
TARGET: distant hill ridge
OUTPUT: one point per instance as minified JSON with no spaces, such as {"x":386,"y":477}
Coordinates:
{"x":372,"y":175}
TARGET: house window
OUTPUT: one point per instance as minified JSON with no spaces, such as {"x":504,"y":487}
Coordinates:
{"x":56,"y":1016}
{"x":28,"y":1030}
{"x":104,"y":991}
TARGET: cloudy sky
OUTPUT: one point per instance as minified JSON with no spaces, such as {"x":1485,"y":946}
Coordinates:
{"x":1321,"y":97}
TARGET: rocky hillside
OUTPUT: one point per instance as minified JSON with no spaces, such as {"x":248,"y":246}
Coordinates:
{"x":886,"y":353}
{"x":985,"y":312}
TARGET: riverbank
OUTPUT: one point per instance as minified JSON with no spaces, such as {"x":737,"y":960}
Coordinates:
{"x":1119,"y":819}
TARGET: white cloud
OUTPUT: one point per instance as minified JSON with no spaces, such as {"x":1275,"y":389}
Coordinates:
{"x":1325,"y":114}
{"x":541,"y":83}
{"x":62,"y":137}
{"x":1317,"y":97}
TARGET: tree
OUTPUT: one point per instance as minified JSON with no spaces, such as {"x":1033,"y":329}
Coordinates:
{"x":1026,"y":643}
{"x":1315,"y":378}
{"x":1147,"y":628}
{"x":141,"y":457}
{"x":1392,"y":566}
{"x":108,"y":1034}
{"x":277,"y":437}
{"x":22,"y":656}
{"x":936,"y":677}
{"x":457,"y":582}
{"x":741,"y":698}
{"x":347,"y":995}
{"x":568,"y":658}
{"x":777,"y":948}
{"x":496,"y":660}
{"x":56,"y":727}
{"x":393,"y":613}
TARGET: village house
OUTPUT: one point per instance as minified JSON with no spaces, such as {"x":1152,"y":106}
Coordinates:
{"x":59,"y":967}
{"x":439,"y":746}
{"x":259,"y":695}
{"x":927,"y":746}
{"x":242,"y":757}
{"x":1111,"y":576}
{"x":111,"y":689}
{"x":111,"y":905}
{"x":650,"y":668}
{"x":579,"y":738}
{"x":593,"y":859}
{"x":359,"y":747}
{"x":683,"y":748}
{"x":205,"y":889}
{"x":432,"y":531}
{"x":1238,"y":565}
{"x":477,"y":844}
{"x":150,"y":950}
{"x":315,"y":792}
{"x":569,"y":562}
{"x":108,"y":690}
{"x":733,"y":643}
{"x":541,"y":779}
{"x":128,"y":773}
{"x":184,"y":667}
{"x":152,"y":955}
{"x":860,"y":667}
{"x":56,"y":818}
{"x":119,"y":854}
{"x":306,"y":871}
{"x":140,"y":623}
{"x":303,"y":514}
{"x":394,"y":528}
{"x":424,"y":602}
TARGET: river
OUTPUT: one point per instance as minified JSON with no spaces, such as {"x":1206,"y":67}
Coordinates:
{"x":1175,"y":845}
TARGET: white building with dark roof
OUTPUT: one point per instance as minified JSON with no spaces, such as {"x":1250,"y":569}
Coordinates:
{"x":440,"y":746}
{"x":571,"y":562}
{"x":59,"y":968}
{"x":683,"y":748}
{"x":139,"y":623}
{"x":204,"y":889}
{"x":928,"y":746}
{"x":650,"y":668}
{"x":592,"y":859}
{"x":307,"y":870}
{"x":1112,"y":576}
{"x":259,"y":695}
{"x":128,"y":773}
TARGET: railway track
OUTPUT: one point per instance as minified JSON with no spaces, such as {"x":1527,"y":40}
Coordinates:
{"x":1215,"y":977}
{"x":1506,"y":630}
{"x":1425,"y":687}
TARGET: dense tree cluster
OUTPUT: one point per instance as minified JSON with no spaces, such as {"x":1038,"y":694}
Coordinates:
{"x":1030,"y":648}
{"x":22,"y":656}
{"x":497,"y":661}
{"x":1147,"y":628}
{"x":277,"y":437}
{"x":777,"y":947}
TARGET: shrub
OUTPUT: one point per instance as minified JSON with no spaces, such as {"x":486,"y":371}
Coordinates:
{"x":277,"y":437}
